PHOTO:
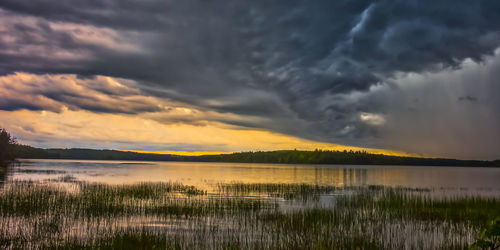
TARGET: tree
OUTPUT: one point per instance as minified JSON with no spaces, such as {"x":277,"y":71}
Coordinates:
{"x":6,"y":146}
{"x":496,"y":163}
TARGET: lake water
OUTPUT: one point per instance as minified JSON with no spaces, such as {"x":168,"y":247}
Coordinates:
{"x":446,"y":180}
{"x":194,"y":205}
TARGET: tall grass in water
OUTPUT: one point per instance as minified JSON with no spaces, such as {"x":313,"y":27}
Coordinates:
{"x":173,"y":215}
{"x":95,"y":200}
{"x":403,"y":203}
{"x":283,"y":190}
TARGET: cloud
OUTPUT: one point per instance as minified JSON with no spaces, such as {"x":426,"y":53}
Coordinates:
{"x":131,"y":132}
{"x":291,"y":67}
{"x":429,"y":113}
{"x":100,"y":94}
{"x":58,"y":92}
{"x":372,"y":119}
{"x":467,"y":98}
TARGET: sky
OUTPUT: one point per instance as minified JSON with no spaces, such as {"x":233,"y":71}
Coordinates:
{"x":399,"y":77}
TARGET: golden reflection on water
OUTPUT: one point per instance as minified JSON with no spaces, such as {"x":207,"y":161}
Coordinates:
{"x":204,"y":174}
{"x":220,"y":216}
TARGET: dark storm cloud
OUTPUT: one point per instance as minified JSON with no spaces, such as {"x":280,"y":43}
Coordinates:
{"x":293,"y":63}
{"x":428,"y":113}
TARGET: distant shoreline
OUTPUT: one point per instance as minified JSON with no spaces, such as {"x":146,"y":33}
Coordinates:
{"x":317,"y":157}
{"x":272,"y":163}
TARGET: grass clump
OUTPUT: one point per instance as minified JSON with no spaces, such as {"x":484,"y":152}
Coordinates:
{"x":287,"y":191}
{"x":173,"y":215}
{"x":403,"y":203}
{"x":121,"y":240}
{"x":94,"y":200}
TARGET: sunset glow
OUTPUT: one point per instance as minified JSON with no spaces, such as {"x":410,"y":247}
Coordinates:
{"x":269,"y":78}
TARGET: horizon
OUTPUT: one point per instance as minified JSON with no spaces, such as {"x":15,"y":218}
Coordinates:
{"x":381,"y":76}
{"x":206,"y":153}
{"x":284,"y":124}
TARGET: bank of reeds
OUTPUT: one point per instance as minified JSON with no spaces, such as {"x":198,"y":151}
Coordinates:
{"x":236,"y":215}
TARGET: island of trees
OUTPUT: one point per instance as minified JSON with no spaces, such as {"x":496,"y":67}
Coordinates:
{"x":9,"y":150}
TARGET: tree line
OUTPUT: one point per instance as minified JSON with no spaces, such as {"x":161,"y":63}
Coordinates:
{"x":9,"y":150}
{"x":344,"y":157}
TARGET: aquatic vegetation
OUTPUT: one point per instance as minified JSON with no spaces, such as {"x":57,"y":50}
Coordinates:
{"x":408,"y":204}
{"x":76,"y":215}
{"x":94,"y":200}
{"x":282,"y":190}
{"x":490,"y":236}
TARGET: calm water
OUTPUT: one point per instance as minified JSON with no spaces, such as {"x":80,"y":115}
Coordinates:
{"x":450,"y":180}
{"x":260,"y":207}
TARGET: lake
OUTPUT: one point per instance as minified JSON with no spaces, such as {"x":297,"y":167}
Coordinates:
{"x":457,"y":180}
{"x":78,"y":203}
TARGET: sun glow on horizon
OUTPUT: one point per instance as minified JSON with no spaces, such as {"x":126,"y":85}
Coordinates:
{"x":336,"y":148}
{"x":183,"y":153}
{"x":69,"y":129}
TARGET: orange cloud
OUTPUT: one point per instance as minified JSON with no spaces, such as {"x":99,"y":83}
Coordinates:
{"x":105,"y":112}
{"x":131,"y":132}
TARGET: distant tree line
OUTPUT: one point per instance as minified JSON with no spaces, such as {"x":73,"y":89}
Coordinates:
{"x":23,"y":151}
{"x":496,"y":163}
{"x":344,"y":157}
{"x":284,"y":157}
{"x":9,"y":150}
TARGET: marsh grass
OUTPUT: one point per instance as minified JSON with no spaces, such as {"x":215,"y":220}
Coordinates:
{"x":286,"y":191}
{"x":409,"y":204}
{"x":95,"y":200}
{"x":235,"y":215}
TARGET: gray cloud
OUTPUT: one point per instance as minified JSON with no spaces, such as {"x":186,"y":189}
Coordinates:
{"x":467,"y":98}
{"x":295,"y":64}
{"x":424,"y":115}
{"x":55,"y":93}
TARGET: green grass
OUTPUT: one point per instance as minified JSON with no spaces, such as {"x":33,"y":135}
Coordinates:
{"x":404,"y":204}
{"x":236,"y":215}
{"x":122,"y":240}
{"x":95,"y":200}
{"x":153,"y":240}
{"x":282,"y":190}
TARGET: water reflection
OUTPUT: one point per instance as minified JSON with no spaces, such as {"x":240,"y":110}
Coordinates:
{"x":204,"y":175}
{"x":4,"y":173}
{"x":255,"y":205}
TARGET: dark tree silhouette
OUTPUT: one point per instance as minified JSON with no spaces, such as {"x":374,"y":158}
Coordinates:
{"x":6,"y":146}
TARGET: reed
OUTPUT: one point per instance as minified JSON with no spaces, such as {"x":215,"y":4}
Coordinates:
{"x":76,"y":215}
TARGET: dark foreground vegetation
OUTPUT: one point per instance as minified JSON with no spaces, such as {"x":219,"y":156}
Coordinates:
{"x":68,"y":214}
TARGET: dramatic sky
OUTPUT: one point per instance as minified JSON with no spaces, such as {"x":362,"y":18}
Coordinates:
{"x":421,"y":77}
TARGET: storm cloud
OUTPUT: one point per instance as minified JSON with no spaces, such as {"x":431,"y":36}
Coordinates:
{"x":315,"y":70}
{"x":56,"y":93}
